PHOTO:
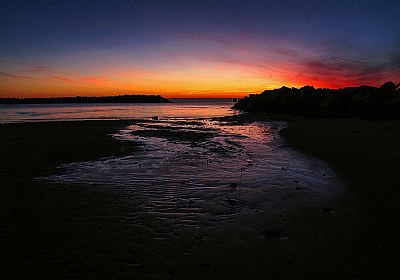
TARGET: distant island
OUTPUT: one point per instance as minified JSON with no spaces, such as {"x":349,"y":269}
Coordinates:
{"x":88,"y":99}
{"x":352,"y":102}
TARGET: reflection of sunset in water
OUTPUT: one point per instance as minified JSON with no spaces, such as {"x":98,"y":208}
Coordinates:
{"x":185,"y":168}
{"x":187,"y":108}
{"x":259,"y":131}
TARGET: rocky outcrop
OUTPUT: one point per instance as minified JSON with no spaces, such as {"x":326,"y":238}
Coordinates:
{"x":355,"y":102}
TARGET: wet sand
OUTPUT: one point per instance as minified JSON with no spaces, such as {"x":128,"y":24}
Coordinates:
{"x":366,"y":154}
{"x":39,"y":220}
{"x":54,"y":231}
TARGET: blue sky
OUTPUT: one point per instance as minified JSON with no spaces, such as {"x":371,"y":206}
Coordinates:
{"x":194,"y":47}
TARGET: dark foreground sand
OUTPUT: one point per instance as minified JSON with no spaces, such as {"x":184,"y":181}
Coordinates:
{"x":51,"y":231}
{"x":366,"y":154}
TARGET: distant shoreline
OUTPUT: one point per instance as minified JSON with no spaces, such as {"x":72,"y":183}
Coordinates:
{"x":87,"y":99}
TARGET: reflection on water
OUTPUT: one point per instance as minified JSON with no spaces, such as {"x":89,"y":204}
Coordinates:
{"x":202,"y":171}
{"x":183,"y":108}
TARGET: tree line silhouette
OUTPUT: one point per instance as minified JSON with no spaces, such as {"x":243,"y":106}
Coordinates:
{"x":350,"y":102}
{"x":142,"y":98}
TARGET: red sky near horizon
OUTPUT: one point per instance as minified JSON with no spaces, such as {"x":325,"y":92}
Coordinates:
{"x":194,"y":48}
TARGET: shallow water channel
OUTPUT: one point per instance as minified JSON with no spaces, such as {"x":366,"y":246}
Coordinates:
{"x":202,"y":171}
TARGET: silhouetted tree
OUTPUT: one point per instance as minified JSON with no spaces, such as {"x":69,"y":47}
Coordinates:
{"x":358,"y":102}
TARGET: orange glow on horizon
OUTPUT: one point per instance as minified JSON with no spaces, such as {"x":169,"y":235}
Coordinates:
{"x":210,"y":81}
{"x":199,"y":49}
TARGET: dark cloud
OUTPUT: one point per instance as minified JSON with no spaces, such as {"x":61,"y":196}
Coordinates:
{"x":15,"y":76}
{"x":348,"y":71}
{"x":62,"y":78}
{"x":39,"y":69}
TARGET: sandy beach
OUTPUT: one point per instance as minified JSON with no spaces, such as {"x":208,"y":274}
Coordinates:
{"x":54,"y":231}
{"x":366,"y":155}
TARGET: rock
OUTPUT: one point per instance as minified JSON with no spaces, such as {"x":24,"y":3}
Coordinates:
{"x":307,"y":90}
{"x":233,"y":185}
{"x":387,"y":88}
{"x":154,"y":118}
{"x":360,"y":102}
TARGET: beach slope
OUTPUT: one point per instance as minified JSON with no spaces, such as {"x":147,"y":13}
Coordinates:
{"x":366,"y":154}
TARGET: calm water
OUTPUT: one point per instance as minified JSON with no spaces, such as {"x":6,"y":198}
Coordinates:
{"x":181,"y":108}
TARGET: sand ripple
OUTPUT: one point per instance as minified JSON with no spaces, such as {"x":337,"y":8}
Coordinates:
{"x":183,"y":173}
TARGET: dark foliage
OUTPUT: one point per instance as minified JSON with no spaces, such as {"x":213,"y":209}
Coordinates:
{"x":88,"y":99}
{"x":352,"y":102}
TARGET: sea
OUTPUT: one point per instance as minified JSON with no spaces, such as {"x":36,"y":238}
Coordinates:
{"x":195,"y":163}
{"x":185,"y":108}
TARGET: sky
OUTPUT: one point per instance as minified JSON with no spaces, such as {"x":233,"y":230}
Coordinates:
{"x":188,"y":48}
